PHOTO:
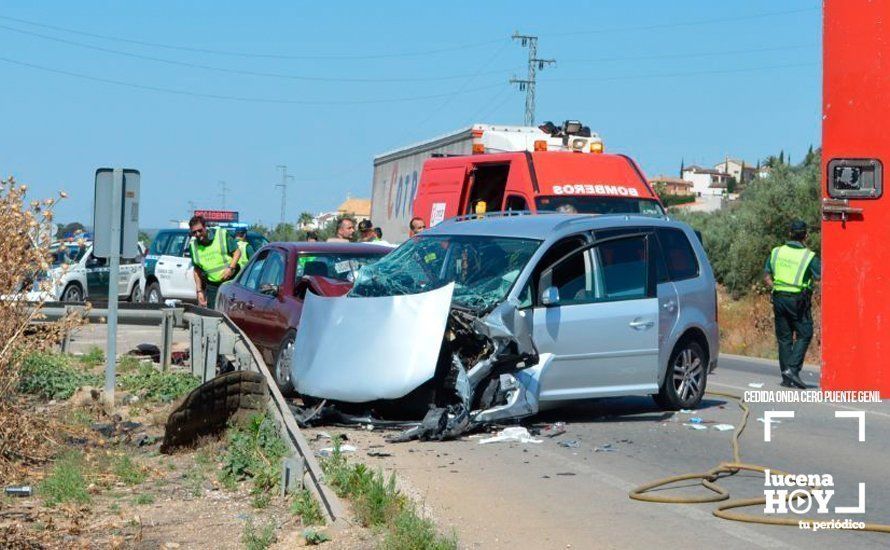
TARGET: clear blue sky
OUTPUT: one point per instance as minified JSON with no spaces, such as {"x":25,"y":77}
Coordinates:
{"x":658,"y":80}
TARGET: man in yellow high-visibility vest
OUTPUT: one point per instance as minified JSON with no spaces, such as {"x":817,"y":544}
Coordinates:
{"x":215,"y":259}
{"x":791,"y":270}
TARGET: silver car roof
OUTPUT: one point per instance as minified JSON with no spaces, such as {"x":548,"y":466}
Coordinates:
{"x":543,"y":226}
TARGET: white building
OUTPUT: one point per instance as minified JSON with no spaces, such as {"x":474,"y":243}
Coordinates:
{"x":706,"y":181}
{"x":738,"y":169}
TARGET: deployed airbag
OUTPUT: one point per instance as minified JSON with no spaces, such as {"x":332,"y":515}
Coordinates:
{"x":358,"y":349}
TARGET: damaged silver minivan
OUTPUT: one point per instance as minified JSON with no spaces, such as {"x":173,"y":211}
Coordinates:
{"x":498,"y":317}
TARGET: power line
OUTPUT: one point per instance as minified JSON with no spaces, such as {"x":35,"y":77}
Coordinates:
{"x":235,"y":98}
{"x":695,"y":23}
{"x":236,"y":71}
{"x":528,"y":84}
{"x":689,"y":73}
{"x":685,"y":55}
{"x":328,"y":57}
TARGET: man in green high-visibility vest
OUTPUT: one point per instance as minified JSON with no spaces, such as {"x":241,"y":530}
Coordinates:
{"x":215,"y":258}
{"x":791,"y":270}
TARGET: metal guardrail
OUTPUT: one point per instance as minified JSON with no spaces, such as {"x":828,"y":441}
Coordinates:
{"x":215,"y":340}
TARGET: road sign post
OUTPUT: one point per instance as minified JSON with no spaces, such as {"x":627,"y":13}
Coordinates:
{"x":115,"y":234}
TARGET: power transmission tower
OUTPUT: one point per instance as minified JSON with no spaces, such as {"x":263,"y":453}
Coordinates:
{"x":283,"y":185}
{"x":534,"y":65}
{"x":223,"y":191}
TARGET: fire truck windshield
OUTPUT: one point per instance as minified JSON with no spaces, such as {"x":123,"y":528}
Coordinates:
{"x":585,"y":204}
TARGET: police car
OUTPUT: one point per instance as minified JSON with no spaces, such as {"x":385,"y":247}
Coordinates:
{"x":77,"y":275}
{"x":168,"y":271}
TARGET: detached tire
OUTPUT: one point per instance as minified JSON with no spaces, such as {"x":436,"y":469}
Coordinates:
{"x":153,"y":294}
{"x":284,"y":360}
{"x":686,"y":377}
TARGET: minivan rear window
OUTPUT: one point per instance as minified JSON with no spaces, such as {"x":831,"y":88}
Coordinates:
{"x":678,"y":254}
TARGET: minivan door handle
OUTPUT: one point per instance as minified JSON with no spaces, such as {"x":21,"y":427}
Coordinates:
{"x":640,"y":324}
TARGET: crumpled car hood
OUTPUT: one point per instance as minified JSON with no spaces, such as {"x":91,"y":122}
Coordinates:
{"x":365,"y":349}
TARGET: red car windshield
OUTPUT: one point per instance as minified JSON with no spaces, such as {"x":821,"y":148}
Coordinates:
{"x":334,"y":266}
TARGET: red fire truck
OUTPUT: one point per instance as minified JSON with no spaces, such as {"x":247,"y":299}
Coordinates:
{"x":500,"y":168}
{"x":855,"y":140}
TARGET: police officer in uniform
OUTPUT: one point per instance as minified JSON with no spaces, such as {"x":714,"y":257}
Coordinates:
{"x":215,"y":259}
{"x":244,"y":246}
{"x":791,"y":271}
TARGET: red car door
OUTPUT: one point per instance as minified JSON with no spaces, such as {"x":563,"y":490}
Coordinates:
{"x":267,"y":300}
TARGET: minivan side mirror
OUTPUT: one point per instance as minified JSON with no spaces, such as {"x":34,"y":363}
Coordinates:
{"x":269,"y":289}
{"x":550,"y":296}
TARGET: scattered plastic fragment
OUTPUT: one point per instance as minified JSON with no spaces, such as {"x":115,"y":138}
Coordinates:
{"x":607,"y":448}
{"x":695,"y":426}
{"x":570,"y":443}
{"x":695,"y":420}
{"x":553,"y":430}
{"x":723,"y":427}
{"x":19,"y":491}
{"x":328,"y":451}
{"x":755,"y":384}
{"x":513,"y":433}
{"x":686,"y":411}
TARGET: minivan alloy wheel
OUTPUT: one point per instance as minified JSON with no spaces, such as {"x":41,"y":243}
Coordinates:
{"x":688,"y":373}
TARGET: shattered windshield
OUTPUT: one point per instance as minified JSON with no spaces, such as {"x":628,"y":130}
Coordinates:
{"x":334,"y":266}
{"x":599,"y":205}
{"x":483,"y":269}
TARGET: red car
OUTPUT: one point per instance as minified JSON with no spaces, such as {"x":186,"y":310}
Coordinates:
{"x":266,"y":299}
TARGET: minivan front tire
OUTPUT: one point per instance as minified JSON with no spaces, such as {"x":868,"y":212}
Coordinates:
{"x":686,"y":377}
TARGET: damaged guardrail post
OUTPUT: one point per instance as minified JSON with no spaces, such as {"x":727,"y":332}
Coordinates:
{"x":292,"y":471}
{"x":167,"y":324}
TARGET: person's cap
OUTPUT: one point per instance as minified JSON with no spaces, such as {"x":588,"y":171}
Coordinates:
{"x":365,"y":225}
{"x":798,"y":226}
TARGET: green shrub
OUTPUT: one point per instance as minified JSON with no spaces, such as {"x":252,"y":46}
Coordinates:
{"x":128,"y":471}
{"x":144,"y":499}
{"x":738,"y":239}
{"x":254,"y":452}
{"x":306,"y":507}
{"x":409,"y":531}
{"x":51,"y":375}
{"x":258,"y":539}
{"x":66,"y":481}
{"x":155,"y":385}
{"x":93,"y":357}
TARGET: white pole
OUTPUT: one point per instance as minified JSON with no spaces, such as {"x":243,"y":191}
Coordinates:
{"x":117,"y":197}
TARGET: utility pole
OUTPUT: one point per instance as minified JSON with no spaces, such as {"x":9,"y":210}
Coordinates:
{"x":283,"y":185}
{"x":223,"y":191}
{"x":528,"y":84}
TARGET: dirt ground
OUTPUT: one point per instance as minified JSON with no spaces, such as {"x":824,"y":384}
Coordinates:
{"x":156,"y":501}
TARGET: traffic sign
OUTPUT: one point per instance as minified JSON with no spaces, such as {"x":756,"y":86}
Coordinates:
{"x":116,"y":196}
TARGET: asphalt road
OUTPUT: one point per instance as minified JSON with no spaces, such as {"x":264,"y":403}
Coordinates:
{"x":512,"y":495}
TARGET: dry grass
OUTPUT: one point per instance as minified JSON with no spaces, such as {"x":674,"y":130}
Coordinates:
{"x":26,"y":231}
{"x":746,"y":327}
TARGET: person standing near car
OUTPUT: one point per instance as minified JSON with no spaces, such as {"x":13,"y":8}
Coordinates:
{"x":415,"y":226}
{"x":791,"y":270}
{"x":244,"y":247}
{"x":345,"y":231}
{"x":215,"y":259}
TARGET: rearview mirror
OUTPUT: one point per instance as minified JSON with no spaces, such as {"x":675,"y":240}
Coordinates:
{"x":550,"y":296}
